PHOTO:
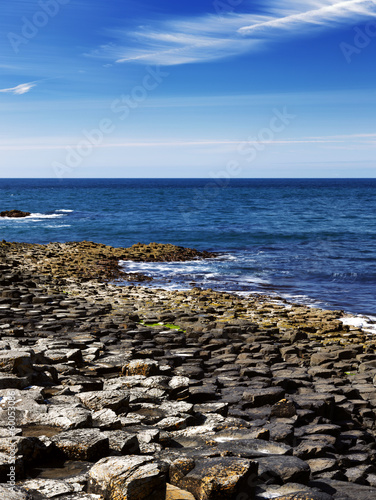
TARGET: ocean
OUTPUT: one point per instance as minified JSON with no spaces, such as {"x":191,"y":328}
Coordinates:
{"x":310,"y":241}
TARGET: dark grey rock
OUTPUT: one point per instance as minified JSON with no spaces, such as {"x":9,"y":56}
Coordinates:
{"x":123,"y":442}
{"x":132,"y":477}
{"x":341,"y":490}
{"x":214,"y":478}
{"x":82,"y":444}
{"x":118,"y":401}
{"x":261,"y":397}
{"x":285,"y":468}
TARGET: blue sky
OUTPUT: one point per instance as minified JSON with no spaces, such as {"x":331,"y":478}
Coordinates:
{"x":198,"y":88}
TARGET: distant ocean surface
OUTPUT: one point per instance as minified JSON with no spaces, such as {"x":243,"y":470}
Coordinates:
{"x":309,"y":241}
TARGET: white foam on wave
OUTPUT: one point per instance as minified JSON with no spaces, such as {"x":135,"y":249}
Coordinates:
{"x":366,"y":323}
{"x":180,"y":275}
{"x":254,"y":279}
{"x":212,"y":275}
{"x":64,"y":210}
{"x":186,"y":267}
{"x":225,"y":256}
{"x":43,"y":216}
{"x":58,"y":225}
{"x":305,"y":300}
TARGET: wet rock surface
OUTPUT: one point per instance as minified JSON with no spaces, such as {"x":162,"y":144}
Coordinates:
{"x":86,"y":260}
{"x":14,"y":213}
{"x":126,"y":392}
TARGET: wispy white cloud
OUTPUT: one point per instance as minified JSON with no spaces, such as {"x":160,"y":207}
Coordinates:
{"x":23,"y":88}
{"x":211,"y":37}
{"x":324,"y":15}
{"x":333,"y":141}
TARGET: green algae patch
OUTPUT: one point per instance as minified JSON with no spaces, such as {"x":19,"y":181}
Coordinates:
{"x":172,"y":327}
{"x":166,"y":325}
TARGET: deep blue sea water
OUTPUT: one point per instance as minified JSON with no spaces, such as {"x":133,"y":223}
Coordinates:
{"x":311,"y":241}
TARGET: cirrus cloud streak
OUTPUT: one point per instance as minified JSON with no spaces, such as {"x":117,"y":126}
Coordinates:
{"x":212,"y":37}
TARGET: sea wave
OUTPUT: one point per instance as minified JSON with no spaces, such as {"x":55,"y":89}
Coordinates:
{"x":366,"y":323}
{"x":213,"y":273}
{"x":225,"y":256}
{"x":53,"y":226}
{"x":43,"y":216}
{"x":35,"y":216}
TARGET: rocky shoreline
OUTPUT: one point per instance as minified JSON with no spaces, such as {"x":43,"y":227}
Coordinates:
{"x":112,"y":392}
